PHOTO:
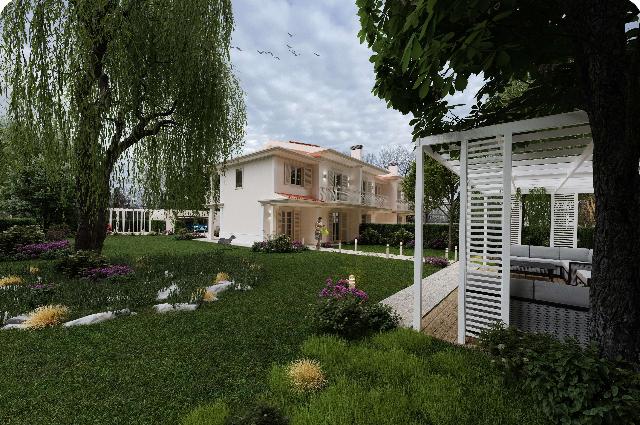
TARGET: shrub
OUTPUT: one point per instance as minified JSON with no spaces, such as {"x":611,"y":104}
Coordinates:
{"x":401,"y":235}
{"x":306,"y":375}
{"x":570,"y":384}
{"x":429,"y":231}
{"x":326,"y":244}
{"x":46,"y":250}
{"x":57,"y":232}
{"x":17,"y":236}
{"x":280,"y":243}
{"x":370,"y":237}
{"x":158,"y":226}
{"x":185,"y":235}
{"x":49,"y":315}
{"x":75,"y":263}
{"x":436,"y":261}
{"x":7,"y":223}
{"x":343,"y":311}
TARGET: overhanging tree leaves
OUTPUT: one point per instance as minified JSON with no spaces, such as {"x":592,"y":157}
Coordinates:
{"x":572,"y":54}
{"x":123,"y":89}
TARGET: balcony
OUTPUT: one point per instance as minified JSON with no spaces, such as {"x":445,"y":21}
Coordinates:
{"x":404,"y":206}
{"x":331,"y":194}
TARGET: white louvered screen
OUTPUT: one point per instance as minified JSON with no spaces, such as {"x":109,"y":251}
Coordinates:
{"x":564,"y":220}
{"x":484,"y":234}
{"x":516,"y":220}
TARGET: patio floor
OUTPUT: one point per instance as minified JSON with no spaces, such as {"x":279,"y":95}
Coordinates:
{"x":439,"y":303}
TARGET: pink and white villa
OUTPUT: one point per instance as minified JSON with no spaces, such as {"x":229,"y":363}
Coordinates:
{"x":284,"y":187}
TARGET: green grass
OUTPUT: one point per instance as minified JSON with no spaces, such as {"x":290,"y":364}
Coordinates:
{"x":154,"y":369}
{"x":398,"y":377}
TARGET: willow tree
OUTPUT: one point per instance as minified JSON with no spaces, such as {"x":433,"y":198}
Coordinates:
{"x":115,"y":90}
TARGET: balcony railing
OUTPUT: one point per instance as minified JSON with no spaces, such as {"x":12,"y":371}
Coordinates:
{"x":330,"y":194}
{"x":404,"y":206}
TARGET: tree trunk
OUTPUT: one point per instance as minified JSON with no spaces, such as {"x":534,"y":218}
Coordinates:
{"x":615,"y":288}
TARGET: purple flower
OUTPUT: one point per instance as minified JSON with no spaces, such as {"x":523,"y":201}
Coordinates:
{"x":37,"y":249}
{"x":107,"y":272}
{"x":436,"y":261}
{"x":341,"y":289}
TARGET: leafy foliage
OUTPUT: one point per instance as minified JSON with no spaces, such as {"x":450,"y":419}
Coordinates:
{"x":536,"y":216}
{"x":280,"y":243}
{"x":77,"y":262}
{"x":16,"y":236}
{"x":434,"y":235}
{"x":129,"y":101}
{"x":571,"y":385}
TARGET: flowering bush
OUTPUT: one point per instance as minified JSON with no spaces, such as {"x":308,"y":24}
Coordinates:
{"x":75,"y":263}
{"x":437,"y":243}
{"x":436,"y":261}
{"x":107,"y":272}
{"x":341,"y":289}
{"x":326,"y":244}
{"x":57,"y":232}
{"x":43,"y":250}
{"x":281,"y":243}
{"x":17,"y":236}
{"x":185,"y":235}
{"x":344,"y":311}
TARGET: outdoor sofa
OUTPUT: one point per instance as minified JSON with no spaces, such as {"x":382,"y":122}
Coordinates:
{"x":551,"y":262}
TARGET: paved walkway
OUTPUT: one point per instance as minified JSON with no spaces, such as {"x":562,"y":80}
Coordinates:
{"x":435,"y":288}
{"x":366,"y":254}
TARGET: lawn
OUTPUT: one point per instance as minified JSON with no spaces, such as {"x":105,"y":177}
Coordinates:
{"x":153,"y":369}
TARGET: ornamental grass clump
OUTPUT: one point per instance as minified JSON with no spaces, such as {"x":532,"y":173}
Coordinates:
{"x":306,"y":375}
{"x":222,"y":277}
{"x":45,"y":316}
{"x":11,"y":281}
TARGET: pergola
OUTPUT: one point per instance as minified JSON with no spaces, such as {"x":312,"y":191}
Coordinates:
{"x":494,"y":164}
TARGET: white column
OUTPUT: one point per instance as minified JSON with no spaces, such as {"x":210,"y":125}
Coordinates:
{"x":210,"y":221}
{"x":506,"y":229}
{"x":110,"y":218}
{"x":417,"y":253}
{"x":462,"y":241}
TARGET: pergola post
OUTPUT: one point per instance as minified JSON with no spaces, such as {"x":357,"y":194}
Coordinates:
{"x":462,"y":242}
{"x":418,"y":248}
{"x":506,"y":227}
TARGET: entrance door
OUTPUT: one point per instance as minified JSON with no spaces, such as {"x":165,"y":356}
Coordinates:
{"x":338,"y":226}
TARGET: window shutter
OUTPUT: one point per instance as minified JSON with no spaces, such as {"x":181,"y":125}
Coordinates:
{"x":287,"y":173}
{"x":296,"y":225}
{"x":307,"y":180}
{"x":281,"y":222}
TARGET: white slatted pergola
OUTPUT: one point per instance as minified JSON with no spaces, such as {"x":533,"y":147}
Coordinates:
{"x":493,"y":162}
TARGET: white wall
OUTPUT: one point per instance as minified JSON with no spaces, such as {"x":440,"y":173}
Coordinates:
{"x":241,"y":214}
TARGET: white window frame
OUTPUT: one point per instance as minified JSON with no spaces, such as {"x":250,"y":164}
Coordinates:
{"x":296,"y":175}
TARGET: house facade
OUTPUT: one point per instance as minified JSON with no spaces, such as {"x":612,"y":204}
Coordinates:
{"x":284,"y":188}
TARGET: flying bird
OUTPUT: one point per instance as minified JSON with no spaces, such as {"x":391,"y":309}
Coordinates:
{"x":289,"y":46}
{"x":316,"y":54}
{"x":290,"y":35}
{"x":275,"y":57}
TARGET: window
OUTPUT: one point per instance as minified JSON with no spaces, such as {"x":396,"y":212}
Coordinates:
{"x":296,"y":176}
{"x":366,"y":218}
{"x":286,"y":223}
{"x":239,"y":178}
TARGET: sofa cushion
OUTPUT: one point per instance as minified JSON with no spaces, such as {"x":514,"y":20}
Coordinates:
{"x":544,"y":252}
{"x":522,"y":288}
{"x":520,"y":250}
{"x":561,"y":294}
{"x":542,"y":263}
{"x":575,"y":254}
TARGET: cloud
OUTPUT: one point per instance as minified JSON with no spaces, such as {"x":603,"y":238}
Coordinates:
{"x":323,"y":99}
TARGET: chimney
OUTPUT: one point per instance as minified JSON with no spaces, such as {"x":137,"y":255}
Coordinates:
{"x":356,"y":152}
{"x":393,"y":168}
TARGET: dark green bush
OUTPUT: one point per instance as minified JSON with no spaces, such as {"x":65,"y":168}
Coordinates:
{"x":370,"y":237}
{"x":15,"y":236}
{"x":159,"y":226}
{"x":572,"y":385}
{"x":73,"y":264}
{"x":536,"y":235}
{"x":585,"y":237}
{"x":401,"y":235}
{"x":280,"y":243}
{"x":6,"y":223}
{"x":430,"y":232}
{"x":58,"y":232}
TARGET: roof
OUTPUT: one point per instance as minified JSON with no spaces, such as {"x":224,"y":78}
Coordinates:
{"x":299,"y":197}
{"x":309,"y":152}
{"x":553,"y":152}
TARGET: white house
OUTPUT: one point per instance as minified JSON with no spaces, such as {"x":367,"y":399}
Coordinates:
{"x":284,"y":188}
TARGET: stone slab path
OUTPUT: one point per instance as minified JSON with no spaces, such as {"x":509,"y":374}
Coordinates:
{"x":366,"y":254}
{"x":435,"y":288}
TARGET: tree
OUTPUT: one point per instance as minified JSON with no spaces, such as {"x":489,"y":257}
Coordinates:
{"x":572,"y":54}
{"x":388,"y":155}
{"x":123,"y":89}
{"x":441,"y":191}
{"x":536,"y":217}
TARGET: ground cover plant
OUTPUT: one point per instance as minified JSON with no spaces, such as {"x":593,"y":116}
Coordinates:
{"x":397,"y":377}
{"x":154,"y":369}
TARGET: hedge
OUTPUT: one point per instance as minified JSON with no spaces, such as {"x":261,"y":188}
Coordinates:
{"x":585,"y":237}
{"x":429,"y":231}
{"x":6,"y":223}
{"x":159,"y":226}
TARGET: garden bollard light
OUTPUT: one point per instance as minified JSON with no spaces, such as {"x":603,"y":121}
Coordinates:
{"x":446,"y":253}
{"x":340,"y":246}
{"x":400,"y":248}
{"x":455,"y":255}
{"x":387,"y":250}
{"x":352,"y":281}
{"x":355,"y":241}
{"x":302,"y":241}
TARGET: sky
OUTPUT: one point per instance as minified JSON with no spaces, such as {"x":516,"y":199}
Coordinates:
{"x":323,"y":95}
